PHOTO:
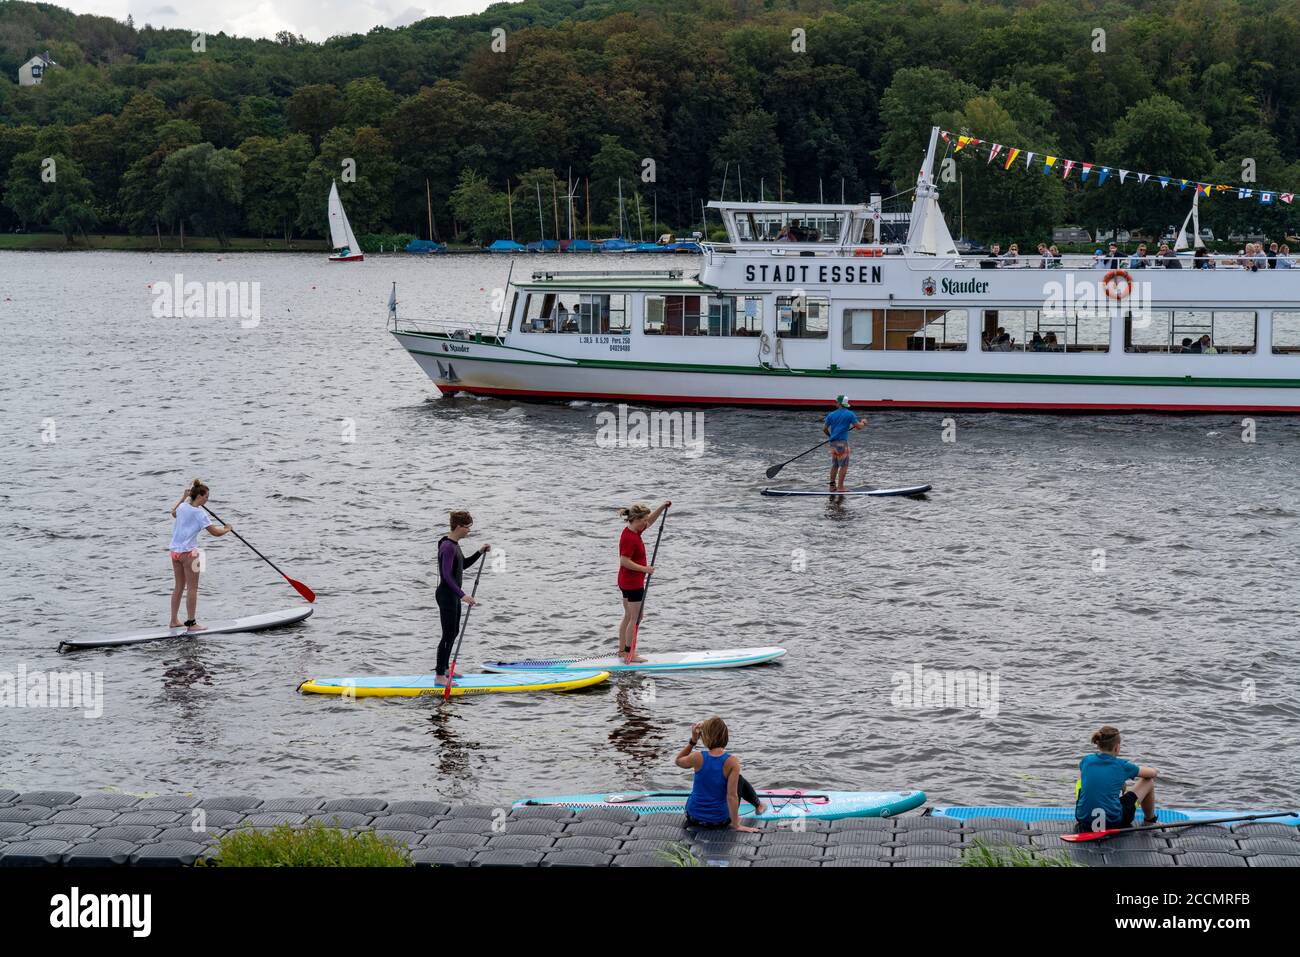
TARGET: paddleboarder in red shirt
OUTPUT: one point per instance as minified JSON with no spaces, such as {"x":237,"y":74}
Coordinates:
{"x":632,"y":571}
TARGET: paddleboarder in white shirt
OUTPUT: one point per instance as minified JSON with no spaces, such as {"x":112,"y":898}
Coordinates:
{"x":191,"y":520}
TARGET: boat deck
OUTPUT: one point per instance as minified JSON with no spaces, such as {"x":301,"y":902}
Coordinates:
{"x":51,"y":828}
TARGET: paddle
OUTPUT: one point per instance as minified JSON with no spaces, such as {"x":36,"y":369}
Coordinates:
{"x":772,"y":472}
{"x":298,"y":586}
{"x":451,"y":672}
{"x":1111,"y":832}
{"x":631,"y":648}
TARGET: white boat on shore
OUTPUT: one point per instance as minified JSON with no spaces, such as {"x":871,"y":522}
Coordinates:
{"x":345,"y":245}
{"x":801,"y":304}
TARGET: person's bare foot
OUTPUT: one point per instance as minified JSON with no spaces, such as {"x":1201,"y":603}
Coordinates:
{"x":440,"y":680}
{"x":196,"y":627}
{"x":760,"y":808}
{"x":175,"y":624}
{"x":638,"y":660}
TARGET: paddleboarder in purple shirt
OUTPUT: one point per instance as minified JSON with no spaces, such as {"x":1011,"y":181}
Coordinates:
{"x":449,"y":593}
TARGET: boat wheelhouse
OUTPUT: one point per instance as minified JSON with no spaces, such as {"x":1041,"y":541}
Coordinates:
{"x":802,"y":302}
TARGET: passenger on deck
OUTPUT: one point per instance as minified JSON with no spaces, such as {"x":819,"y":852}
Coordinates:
{"x":1050,"y":344}
{"x":1104,"y":799}
{"x":1003,"y":342}
{"x":1167,"y":258}
{"x":1112,"y":257}
{"x":1260,"y":257}
{"x":1284,"y":260}
{"x":1201,"y":259}
{"x":1272,"y":255}
{"x":1012,"y":257}
{"x":1055,"y":262}
{"x":1189,"y":346}
{"x":1140,"y":259}
{"x":786,"y":235}
{"x":1207,"y":346}
{"x":994,"y":260}
{"x":1099,"y":260}
{"x":1036,"y":344}
{"x":1044,"y":258}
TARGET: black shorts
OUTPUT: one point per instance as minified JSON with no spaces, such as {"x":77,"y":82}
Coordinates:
{"x":1128,"y":802}
{"x":633,"y":594}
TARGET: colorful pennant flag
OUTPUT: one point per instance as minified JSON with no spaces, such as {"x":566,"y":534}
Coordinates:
{"x":1122,"y":173}
{"x":997,"y":148}
{"x":1069,"y":165}
{"x":1084,"y":170}
{"x":1182,"y":185}
{"x":1243,"y":193}
{"x":1102,"y":174}
{"x":961,"y":142}
{"x":1048,"y":163}
{"x":1266,"y":199}
{"x":1011,"y":157}
{"x":1287,"y":197}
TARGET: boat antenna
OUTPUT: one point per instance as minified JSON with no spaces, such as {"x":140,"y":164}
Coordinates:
{"x":723,"y":195}
{"x":740,"y":181}
{"x":820,"y":197}
{"x":502,"y":314}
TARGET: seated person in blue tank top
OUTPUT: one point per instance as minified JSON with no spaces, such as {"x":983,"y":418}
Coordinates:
{"x":717,"y":788}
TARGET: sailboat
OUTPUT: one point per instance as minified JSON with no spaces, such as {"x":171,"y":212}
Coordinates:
{"x":345,"y":245}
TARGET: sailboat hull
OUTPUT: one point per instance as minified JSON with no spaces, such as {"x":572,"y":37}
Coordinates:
{"x":352,"y":258}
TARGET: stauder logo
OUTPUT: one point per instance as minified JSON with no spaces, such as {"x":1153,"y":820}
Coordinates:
{"x":927,"y":285}
{"x":953,"y":287}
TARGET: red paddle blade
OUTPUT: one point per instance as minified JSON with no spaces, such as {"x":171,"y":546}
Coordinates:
{"x":446,"y":691}
{"x":1089,"y":835}
{"x":302,"y":589}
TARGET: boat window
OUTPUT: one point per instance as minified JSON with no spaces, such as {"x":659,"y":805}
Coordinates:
{"x":1286,"y":333}
{"x":802,"y":317}
{"x":703,"y":315}
{"x":1190,"y":332}
{"x":586,"y":313}
{"x":859,"y":327}
{"x":797,"y":227}
{"x":1068,"y":331}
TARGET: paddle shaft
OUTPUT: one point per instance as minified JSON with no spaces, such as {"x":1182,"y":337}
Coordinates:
{"x":473,"y":593}
{"x":654,"y":555}
{"x":772,"y":472}
{"x":1115,"y":831}
{"x":299,"y":586}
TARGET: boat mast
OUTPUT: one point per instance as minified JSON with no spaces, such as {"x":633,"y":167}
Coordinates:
{"x":510,"y":208}
{"x":541,"y":226}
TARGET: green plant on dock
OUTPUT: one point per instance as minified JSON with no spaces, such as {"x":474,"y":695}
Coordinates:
{"x":678,"y":854}
{"x":981,"y":854}
{"x":312,"y":846}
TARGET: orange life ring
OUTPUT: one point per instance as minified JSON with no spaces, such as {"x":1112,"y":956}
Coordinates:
{"x":1111,"y":284}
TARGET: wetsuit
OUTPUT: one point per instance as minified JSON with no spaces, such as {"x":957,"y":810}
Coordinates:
{"x":451,"y":568}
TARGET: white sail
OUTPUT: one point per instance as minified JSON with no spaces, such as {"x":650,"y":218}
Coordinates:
{"x":1194,"y":219}
{"x":340,"y":228}
{"x":928,"y":231}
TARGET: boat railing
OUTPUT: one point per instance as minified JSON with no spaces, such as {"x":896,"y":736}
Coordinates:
{"x":465,"y":329}
{"x":547,"y":275}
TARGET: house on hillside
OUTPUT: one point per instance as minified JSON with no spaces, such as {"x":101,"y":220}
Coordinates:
{"x":30,"y":73}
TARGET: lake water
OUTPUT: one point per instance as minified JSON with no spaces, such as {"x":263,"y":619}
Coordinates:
{"x":1138,"y":571}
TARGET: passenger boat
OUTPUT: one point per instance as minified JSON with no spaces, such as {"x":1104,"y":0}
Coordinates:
{"x":804,"y":302}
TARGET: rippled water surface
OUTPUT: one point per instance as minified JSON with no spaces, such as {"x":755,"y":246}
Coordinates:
{"x":1139,"y":571}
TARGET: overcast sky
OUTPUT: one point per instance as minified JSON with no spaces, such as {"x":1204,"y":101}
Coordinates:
{"x":314,"y":19}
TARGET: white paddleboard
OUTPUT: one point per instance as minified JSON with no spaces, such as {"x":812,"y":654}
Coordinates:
{"x":856,"y":490}
{"x":655,"y":661}
{"x":270,"y":619}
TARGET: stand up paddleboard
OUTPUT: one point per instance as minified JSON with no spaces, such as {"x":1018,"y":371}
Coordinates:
{"x":1030,"y":815}
{"x":667,"y":661}
{"x":271,"y":619}
{"x":417,"y":686}
{"x":906,"y":490}
{"x":781,"y":804}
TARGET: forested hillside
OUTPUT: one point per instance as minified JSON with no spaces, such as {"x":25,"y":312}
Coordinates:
{"x":243,"y":136}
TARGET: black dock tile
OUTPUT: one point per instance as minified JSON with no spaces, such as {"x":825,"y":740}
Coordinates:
{"x":99,"y":854}
{"x":340,"y":819}
{"x":453,"y":839}
{"x":854,"y":862}
{"x":442,"y":857}
{"x":107,"y":799}
{"x":590,"y":842}
{"x":996,"y":824}
{"x":917,"y":838}
{"x":47,"y":798}
{"x":927,"y":852}
{"x":463,"y":825}
{"x":543,"y":825}
{"x":779,"y":838}
{"x":513,"y":857}
{"x":784,"y":862}
{"x":1273,"y":860}
{"x":25,"y":813}
{"x":1185,"y":844}
{"x":272,"y":818}
{"x":806,"y":852}
{"x":239,"y":803}
{"x":637,"y":859}
{"x":368,"y":806}
{"x":847,"y":824}
{"x":160,"y":818}
{"x":863,"y":837}
{"x":577,"y":858}
{"x":419,"y":808}
{"x":168,"y":802}
{"x":167,"y":854}
{"x":650,"y":847}
{"x":1272,"y":828}
{"x":620,"y":815}
{"x":83,"y":815}
{"x":1210,"y":859}
{"x":597,"y":828}
{"x":1130,"y":858}
{"x":1268,"y":844}
{"x":665,"y":819}
{"x":400,"y":838}
{"x":404,"y":822}
{"x":7,"y":796}
{"x":216,"y":819}
{"x":132,"y":833}
{"x":290,"y":805}
{"x":928,"y":823}
{"x":542,"y":811}
{"x":650,"y":832}
{"x":185,"y":835}
{"x":926,"y":863}
{"x":32,"y":853}
{"x":996,"y":837}
{"x":479,"y":811}
{"x":529,"y":842}
{"x":60,"y":832}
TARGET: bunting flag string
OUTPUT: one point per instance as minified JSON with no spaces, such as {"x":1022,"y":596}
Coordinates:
{"x":1007,"y":156}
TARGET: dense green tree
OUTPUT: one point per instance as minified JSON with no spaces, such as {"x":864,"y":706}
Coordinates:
{"x":273,"y":170}
{"x":368,"y":200}
{"x":203,"y":185}
{"x":479,"y":208}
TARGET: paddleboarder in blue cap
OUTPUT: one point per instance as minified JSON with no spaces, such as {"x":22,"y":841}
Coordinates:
{"x":839,"y":423}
